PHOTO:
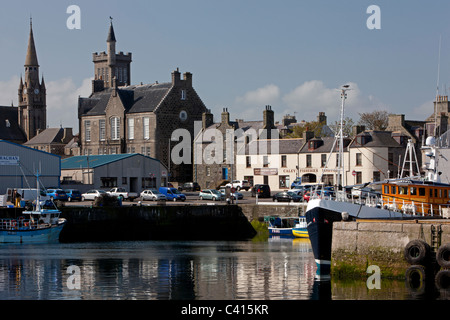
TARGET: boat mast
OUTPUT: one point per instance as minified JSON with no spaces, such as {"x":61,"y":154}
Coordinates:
{"x":341,"y":172}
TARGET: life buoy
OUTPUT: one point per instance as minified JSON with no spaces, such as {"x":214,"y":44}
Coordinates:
{"x":13,"y":223}
{"x":417,"y":252}
{"x":443,"y":256}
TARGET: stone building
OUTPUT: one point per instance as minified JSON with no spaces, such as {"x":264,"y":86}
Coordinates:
{"x":20,"y":124}
{"x":122,"y":118}
{"x":217,"y":145}
{"x":52,"y":140}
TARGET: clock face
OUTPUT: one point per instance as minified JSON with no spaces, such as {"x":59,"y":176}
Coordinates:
{"x":36,"y":91}
{"x":183,"y":115}
{"x":25,"y":90}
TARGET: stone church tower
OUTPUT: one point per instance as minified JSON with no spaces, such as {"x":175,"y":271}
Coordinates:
{"x":32,"y":110}
{"x":110,"y":64}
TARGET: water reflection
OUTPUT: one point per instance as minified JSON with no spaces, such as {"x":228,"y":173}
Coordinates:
{"x":275,"y":269}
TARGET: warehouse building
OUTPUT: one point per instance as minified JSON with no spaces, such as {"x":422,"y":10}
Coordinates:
{"x":19,"y":166}
{"x":132,"y":171}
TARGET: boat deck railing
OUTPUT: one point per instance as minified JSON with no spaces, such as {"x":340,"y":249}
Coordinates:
{"x":392,"y":204}
{"x":10,"y":224}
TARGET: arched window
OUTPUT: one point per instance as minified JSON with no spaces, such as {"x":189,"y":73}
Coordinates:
{"x":115,"y":128}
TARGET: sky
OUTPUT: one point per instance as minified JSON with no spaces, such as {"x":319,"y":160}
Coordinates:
{"x":243,"y":54}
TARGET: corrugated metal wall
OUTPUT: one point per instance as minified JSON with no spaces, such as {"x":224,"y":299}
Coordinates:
{"x":30,"y":161}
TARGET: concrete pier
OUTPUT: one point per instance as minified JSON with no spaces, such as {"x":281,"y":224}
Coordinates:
{"x":357,"y":245}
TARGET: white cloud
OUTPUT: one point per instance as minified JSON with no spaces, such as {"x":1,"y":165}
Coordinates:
{"x":62,"y":102}
{"x":306,"y":101}
{"x":62,"y":99}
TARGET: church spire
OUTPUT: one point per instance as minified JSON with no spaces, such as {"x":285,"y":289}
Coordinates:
{"x":31,"y":59}
{"x":111,"y":35}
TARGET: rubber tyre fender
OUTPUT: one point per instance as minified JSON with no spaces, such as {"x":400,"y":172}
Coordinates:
{"x":442,"y":280}
{"x":443,"y":256}
{"x":415,"y":279}
{"x":417,"y":252}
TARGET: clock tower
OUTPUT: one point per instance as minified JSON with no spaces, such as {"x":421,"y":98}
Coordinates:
{"x":32,"y":94}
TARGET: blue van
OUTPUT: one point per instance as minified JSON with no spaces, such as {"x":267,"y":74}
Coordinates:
{"x":172,"y":194}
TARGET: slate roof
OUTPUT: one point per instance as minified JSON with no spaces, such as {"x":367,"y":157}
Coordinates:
{"x":377,"y":139}
{"x":285,"y":146}
{"x":13,"y":132}
{"x":49,"y":135}
{"x":325,"y":145}
{"x":135,"y":98}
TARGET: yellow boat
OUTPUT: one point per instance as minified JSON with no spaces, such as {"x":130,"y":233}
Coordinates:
{"x":300,"y":231}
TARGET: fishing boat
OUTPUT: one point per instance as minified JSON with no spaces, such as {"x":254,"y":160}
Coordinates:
{"x":412,"y":197}
{"x":281,"y":226}
{"x":300,"y":230}
{"x":39,"y":225}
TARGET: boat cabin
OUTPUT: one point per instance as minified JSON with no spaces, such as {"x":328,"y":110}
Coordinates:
{"x":417,"y":197}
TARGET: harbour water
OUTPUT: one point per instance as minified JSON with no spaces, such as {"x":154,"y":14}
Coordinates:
{"x":274,"y":269}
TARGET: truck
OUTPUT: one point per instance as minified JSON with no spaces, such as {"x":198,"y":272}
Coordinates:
{"x":239,"y":184}
{"x":122,"y":194}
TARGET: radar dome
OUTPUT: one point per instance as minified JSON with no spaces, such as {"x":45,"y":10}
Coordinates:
{"x":431,"y":141}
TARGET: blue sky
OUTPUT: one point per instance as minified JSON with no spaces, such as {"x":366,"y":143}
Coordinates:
{"x":244,"y":54}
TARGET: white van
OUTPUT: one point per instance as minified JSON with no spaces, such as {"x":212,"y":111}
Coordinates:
{"x":28,"y":194}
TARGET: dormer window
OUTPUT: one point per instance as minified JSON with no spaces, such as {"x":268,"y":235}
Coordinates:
{"x":363,"y":139}
{"x":313,"y":144}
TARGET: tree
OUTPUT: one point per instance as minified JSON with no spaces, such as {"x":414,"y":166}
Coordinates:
{"x":376,"y":120}
{"x":315,"y":126}
{"x":347,"y":125}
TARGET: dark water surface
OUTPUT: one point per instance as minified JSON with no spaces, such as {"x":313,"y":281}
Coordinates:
{"x":276,"y":269}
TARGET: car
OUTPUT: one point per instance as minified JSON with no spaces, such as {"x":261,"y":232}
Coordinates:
{"x":262,"y":190}
{"x":239,"y":184}
{"x":287,"y":196}
{"x":57,"y":194}
{"x":321,"y":193}
{"x":92,"y":194}
{"x":234,"y":195}
{"x":73,"y":194}
{"x":210,"y":194}
{"x":172,"y":194}
{"x":189,"y":186}
{"x":152,"y":194}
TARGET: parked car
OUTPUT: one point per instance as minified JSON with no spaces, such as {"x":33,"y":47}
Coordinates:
{"x":92,"y":194}
{"x":234,"y":195}
{"x":210,"y":194}
{"x":262,"y":190}
{"x":287,"y":196}
{"x":57,"y":194}
{"x":239,"y":184}
{"x":172,"y":194}
{"x":152,"y":194}
{"x":190,"y":186}
{"x":73,"y":194}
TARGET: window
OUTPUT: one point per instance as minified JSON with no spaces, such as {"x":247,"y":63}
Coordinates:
{"x":376,"y":176}
{"x":308,"y":161}
{"x":386,"y":189}
{"x":125,"y":75}
{"x":283,"y":161}
{"x":102,"y":129}
{"x":359,"y":159}
{"x":146,"y":122}
{"x":145,"y":151}
{"x":183,"y":94}
{"x":208,"y":171}
{"x":393,"y":190}
{"x":403,"y":190}
{"x":265,"y":161}
{"x":87,"y":130}
{"x":284,"y":182}
{"x":413,"y":191}
{"x":115,"y":129}
{"x":131,"y":128}
{"x":323,"y":160}
{"x":422,"y":192}
{"x":358,"y":177}
{"x":248,"y":162}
